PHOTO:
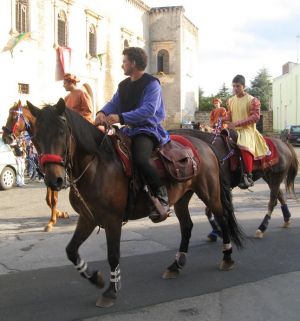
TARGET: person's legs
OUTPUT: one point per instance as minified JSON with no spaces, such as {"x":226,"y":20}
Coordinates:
{"x":247,"y":180}
{"x":142,"y":148}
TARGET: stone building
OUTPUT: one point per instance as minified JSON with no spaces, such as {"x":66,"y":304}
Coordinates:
{"x":86,"y":37}
{"x":286,"y":97}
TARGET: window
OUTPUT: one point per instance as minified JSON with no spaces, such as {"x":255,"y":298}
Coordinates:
{"x":23,"y":88}
{"x":92,"y":41}
{"x":62,"y":29}
{"x":163,"y":61}
{"x":126,"y":43}
{"x":22,"y":16}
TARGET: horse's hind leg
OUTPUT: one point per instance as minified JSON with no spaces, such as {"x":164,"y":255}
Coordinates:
{"x":113,"y":238}
{"x":285,"y":210}
{"x":52,"y":199}
{"x":186,"y":226}
{"x":83,"y":230}
{"x":274,"y":193}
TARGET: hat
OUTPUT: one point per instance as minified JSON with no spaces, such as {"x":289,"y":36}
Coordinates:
{"x":71,"y":78}
{"x":216,"y":100}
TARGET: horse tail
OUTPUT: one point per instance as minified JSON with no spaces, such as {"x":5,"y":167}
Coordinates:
{"x":292,"y":171}
{"x":236,"y":232}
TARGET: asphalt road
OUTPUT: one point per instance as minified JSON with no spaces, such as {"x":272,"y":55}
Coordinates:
{"x":37,"y":282}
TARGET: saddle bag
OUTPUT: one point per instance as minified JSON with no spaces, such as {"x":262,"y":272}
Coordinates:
{"x":178,"y":161}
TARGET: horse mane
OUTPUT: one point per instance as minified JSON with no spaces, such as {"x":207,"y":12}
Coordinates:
{"x":88,"y":137}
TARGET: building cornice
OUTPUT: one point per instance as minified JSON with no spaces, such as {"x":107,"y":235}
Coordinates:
{"x":167,"y":9}
{"x":93,"y":14}
{"x":139,"y":4}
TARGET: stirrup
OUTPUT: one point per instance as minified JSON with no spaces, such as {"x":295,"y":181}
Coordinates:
{"x":246,"y":182}
{"x":160,"y":217}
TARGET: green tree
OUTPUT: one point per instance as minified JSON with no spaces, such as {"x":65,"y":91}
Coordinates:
{"x":261,"y":87}
{"x":224,"y":93}
{"x":204,"y":102}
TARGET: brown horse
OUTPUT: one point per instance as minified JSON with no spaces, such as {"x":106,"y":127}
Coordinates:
{"x":284,"y":171}
{"x":99,"y":191}
{"x":19,"y":120}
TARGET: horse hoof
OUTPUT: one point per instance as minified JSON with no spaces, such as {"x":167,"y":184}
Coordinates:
{"x":65,"y":215}
{"x":226,"y":265}
{"x":48,"y":228}
{"x":286,"y":224}
{"x":105,"y":302}
{"x":259,"y":234}
{"x":168,"y":274}
{"x":211,"y":238}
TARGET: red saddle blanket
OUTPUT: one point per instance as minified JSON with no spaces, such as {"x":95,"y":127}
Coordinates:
{"x":260,"y":164}
{"x":178,"y":159}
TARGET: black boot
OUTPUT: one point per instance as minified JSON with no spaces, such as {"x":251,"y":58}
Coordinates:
{"x":246,"y":181}
{"x":161,"y":206}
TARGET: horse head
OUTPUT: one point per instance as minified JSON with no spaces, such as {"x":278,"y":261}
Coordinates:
{"x":18,"y":121}
{"x":52,"y":136}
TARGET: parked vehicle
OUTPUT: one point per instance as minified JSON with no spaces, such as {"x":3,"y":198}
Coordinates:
{"x":8,"y":167}
{"x":291,"y":134}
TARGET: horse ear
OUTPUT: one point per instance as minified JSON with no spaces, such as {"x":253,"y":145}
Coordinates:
{"x":19,"y":104}
{"x":60,"y":107}
{"x":35,"y":111}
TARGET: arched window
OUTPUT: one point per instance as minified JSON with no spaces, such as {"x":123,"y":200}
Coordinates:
{"x":92,"y":41}
{"x":126,"y":43}
{"x":22,"y":16}
{"x":163,"y":61}
{"x":62,"y":29}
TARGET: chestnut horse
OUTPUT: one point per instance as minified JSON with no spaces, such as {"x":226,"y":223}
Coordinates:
{"x":19,"y":120}
{"x":284,"y":171}
{"x":99,"y":191}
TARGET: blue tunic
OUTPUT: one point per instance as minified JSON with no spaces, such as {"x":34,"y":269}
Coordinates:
{"x":146,"y":118}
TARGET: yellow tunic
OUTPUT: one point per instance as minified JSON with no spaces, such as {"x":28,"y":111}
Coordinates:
{"x":249,"y":138}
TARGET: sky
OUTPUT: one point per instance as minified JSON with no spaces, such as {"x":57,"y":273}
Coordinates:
{"x":241,"y":37}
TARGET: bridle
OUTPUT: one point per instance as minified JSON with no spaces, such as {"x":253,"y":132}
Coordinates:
{"x":66,"y":162}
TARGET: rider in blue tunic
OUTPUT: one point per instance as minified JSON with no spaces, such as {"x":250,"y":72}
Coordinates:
{"x":138,"y":105}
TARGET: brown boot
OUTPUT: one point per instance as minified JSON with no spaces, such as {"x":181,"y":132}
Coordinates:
{"x":161,"y":208}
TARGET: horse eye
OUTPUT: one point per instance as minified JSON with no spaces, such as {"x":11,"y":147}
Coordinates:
{"x":61,"y":132}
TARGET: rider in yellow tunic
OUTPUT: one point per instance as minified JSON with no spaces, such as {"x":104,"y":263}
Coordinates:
{"x":244,"y":113}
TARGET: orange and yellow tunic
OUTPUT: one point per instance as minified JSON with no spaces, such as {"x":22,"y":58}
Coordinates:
{"x":215,"y":114}
{"x":80,"y":102}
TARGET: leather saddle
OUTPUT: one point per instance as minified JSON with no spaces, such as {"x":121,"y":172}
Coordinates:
{"x":230,"y":138}
{"x":178,"y":159}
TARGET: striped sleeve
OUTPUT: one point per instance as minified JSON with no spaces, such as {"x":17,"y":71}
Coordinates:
{"x":254,"y":114}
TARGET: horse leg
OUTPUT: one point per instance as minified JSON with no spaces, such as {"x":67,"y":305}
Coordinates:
{"x":285,"y":210}
{"x":53,"y":218}
{"x":113,"y":238}
{"x":186,"y":226}
{"x":274,"y":192}
{"x":213,"y":235}
{"x":227,"y":263}
{"x":51,"y":199}
{"x":59,"y":213}
{"x":83,"y":230}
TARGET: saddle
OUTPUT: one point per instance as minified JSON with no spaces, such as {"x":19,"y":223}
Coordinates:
{"x":230,"y":137}
{"x":177,"y":160}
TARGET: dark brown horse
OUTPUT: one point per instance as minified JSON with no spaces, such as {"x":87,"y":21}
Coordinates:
{"x":284,"y":171}
{"x":19,"y":120}
{"x":99,"y":191}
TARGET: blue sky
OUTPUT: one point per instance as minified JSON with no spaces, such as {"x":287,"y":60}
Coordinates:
{"x":241,"y":37}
